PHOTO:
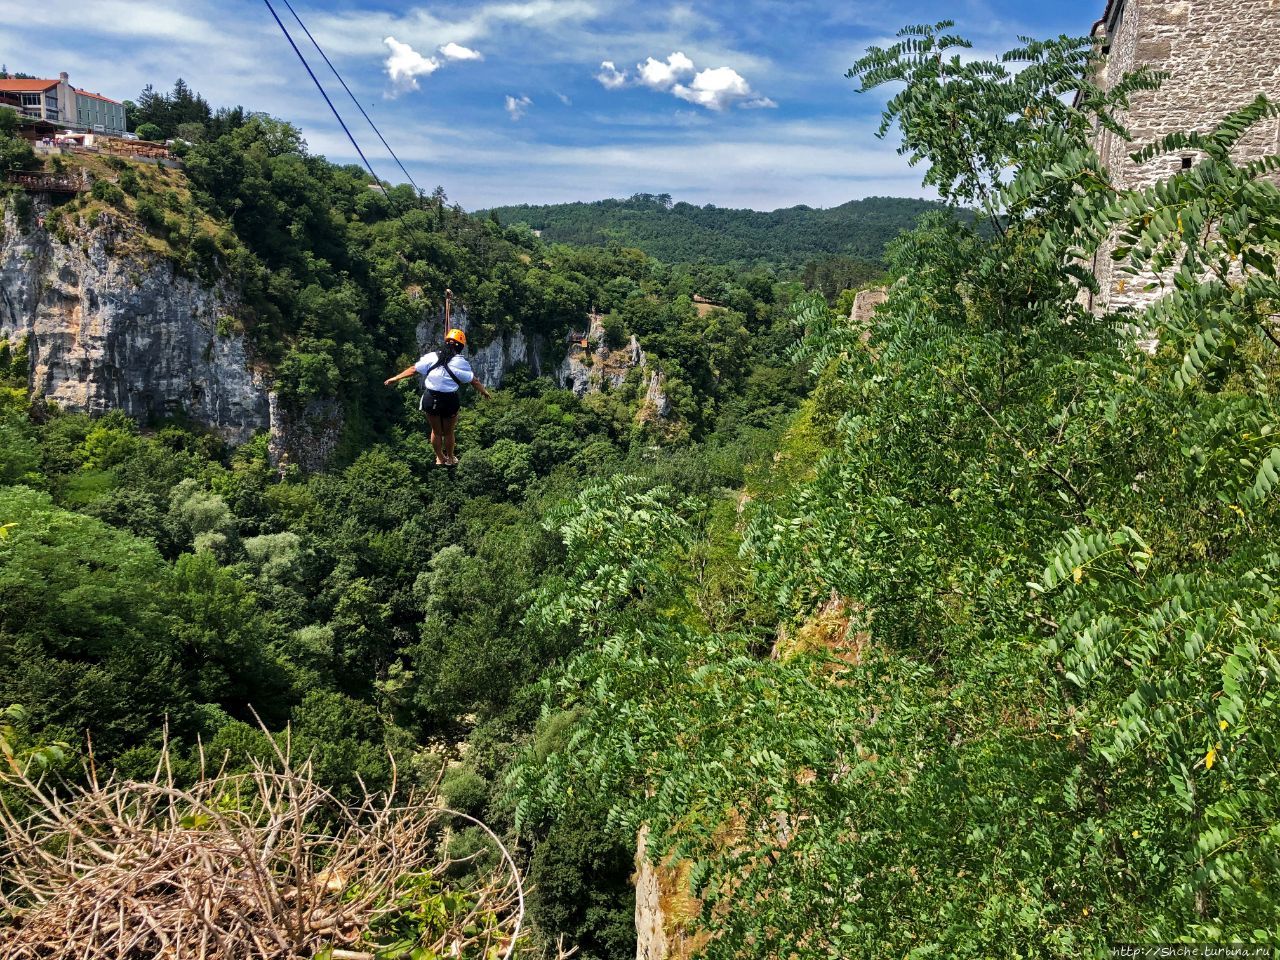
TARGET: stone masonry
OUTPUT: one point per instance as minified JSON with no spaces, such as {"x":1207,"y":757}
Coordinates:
{"x":1219,"y":54}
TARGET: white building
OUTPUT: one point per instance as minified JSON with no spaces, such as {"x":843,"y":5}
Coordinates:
{"x":58,"y":102}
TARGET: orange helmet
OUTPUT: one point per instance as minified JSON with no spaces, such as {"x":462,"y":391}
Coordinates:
{"x":457,"y":336}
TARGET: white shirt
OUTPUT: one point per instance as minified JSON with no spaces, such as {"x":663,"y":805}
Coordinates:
{"x":437,"y":379}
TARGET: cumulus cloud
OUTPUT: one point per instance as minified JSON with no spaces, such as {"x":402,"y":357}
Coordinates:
{"x":662,"y":76}
{"x":610,"y":77}
{"x":405,"y":64}
{"x":715,"y":89}
{"x":518,"y":106}
{"x":456,"y":51}
{"x":718,"y":88}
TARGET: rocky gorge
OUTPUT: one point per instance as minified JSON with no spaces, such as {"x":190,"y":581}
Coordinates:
{"x":109,"y":325}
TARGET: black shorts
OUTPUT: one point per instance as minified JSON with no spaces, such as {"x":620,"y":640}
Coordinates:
{"x":441,"y":403}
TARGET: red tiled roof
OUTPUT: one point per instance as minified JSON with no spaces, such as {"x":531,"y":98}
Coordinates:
{"x":96,"y":96}
{"x":27,"y":86}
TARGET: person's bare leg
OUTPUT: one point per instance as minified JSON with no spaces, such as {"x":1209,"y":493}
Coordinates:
{"x":450,"y":425}
{"x":437,"y":438}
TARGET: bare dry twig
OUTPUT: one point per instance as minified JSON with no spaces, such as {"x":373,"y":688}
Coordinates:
{"x":263,"y":865}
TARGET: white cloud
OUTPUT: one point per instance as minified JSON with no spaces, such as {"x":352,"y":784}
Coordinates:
{"x":518,"y":106}
{"x":455,"y":51}
{"x":715,"y":88}
{"x":354,"y":32}
{"x":405,"y":64}
{"x":564,"y":99}
{"x":839,"y":162}
{"x":610,"y":77}
{"x":662,"y":76}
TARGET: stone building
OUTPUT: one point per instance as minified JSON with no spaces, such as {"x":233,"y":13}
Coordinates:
{"x":1219,"y":54}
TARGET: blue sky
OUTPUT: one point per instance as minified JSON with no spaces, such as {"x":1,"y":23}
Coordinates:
{"x":739,"y":104}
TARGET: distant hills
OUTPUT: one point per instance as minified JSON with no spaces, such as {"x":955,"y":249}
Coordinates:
{"x":682,"y":232}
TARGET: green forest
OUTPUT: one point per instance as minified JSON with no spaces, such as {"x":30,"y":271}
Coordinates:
{"x":953,"y":635}
{"x":682,"y":232}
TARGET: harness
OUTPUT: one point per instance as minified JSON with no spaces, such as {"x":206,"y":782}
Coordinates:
{"x":441,"y":361}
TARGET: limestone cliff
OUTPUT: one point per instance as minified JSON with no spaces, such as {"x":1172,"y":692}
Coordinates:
{"x":110,"y":330}
{"x":586,"y":368}
{"x":494,"y":360}
{"x":666,"y":911}
{"x":111,"y":326}
{"x":594,"y":365}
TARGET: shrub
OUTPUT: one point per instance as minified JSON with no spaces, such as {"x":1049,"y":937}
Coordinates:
{"x":108,"y":192}
{"x":615,"y":332}
{"x":150,"y":214}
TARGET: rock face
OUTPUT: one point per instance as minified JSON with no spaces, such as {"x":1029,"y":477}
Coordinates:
{"x":307,"y":439}
{"x":107,"y":331}
{"x":584,"y":369}
{"x":865,"y":303}
{"x":651,"y":932}
{"x":493,"y":361}
{"x":666,"y":912}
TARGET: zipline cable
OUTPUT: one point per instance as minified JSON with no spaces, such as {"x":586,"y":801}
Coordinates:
{"x":316,"y":81}
{"x":354,"y":100}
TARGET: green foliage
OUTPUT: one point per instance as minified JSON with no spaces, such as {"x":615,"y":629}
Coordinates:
{"x":180,"y":113}
{"x":83,"y":632}
{"x":1027,"y":623}
{"x":107,"y":192}
{"x":148,"y":575}
{"x":465,"y":790}
{"x":579,"y":875}
{"x":683,"y":232}
{"x":19,"y":760}
{"x":15,"y":151}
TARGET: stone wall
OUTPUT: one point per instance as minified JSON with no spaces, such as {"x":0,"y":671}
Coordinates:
{"x":865,"y":303}
{"x":1219,"y":54}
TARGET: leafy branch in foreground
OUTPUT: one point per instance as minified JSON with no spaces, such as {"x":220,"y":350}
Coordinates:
{"x":1058,"y":725}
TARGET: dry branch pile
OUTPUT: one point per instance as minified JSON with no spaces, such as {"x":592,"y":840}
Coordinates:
{"x":260,"y":865}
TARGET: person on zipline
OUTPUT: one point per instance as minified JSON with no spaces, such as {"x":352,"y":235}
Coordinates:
{"x":443,"y":373}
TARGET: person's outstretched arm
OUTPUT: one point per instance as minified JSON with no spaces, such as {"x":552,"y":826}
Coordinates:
{"x":480,"y":386}
{"x":402,"y":375}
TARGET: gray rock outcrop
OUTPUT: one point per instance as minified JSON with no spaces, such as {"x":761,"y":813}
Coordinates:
{"x":597,"y":366}
{"x":107,"y":330}
{"x":494,"y":360}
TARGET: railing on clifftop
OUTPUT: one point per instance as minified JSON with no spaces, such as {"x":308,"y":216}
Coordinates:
{"x":49,"y":182}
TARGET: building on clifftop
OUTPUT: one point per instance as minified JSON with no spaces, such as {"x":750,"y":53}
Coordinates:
{"x":65,"y":106}
{"x":1219,"y":55}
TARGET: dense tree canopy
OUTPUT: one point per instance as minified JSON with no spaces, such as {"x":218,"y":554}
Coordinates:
{"x":1022,"y":695}
{"x":157,"y":583}
{"x":683,"y":232}
{"x":970,"y":651}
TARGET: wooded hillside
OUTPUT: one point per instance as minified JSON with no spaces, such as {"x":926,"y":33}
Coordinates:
{"x":681,"y":232}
